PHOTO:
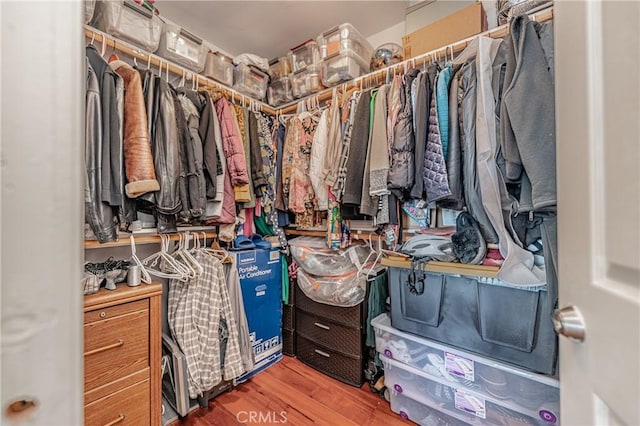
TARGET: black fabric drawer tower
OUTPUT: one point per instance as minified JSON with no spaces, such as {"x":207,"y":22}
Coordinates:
{"x":289,"y":322}
{"x":331,"y":339}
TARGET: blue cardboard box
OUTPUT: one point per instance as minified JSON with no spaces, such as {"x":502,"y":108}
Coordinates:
{"x":261,"y":281}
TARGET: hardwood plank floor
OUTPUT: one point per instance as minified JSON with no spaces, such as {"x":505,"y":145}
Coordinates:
{"x":290,"y":392}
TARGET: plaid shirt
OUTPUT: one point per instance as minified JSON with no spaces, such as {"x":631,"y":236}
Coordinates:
{"x":195,"y":309}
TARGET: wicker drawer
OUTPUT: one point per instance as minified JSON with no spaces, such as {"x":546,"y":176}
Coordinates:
{"x":289,"y":342}
{"x":326,"y":333}
{"x":115,"y":348}
{"x":346,"y":368}
{"x":288,"y":317}
{"x":350,"y":317}
{"x":129,"y":406}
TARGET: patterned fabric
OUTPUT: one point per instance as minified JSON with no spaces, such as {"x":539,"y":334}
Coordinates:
{"x":296,"y":184}
{"x":195,"y":309}
{"x":436,"y":181}
{"x":348,"y":117}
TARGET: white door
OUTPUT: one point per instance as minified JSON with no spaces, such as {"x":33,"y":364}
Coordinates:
{"x":598,"y":136}
{"x":41,"y":156}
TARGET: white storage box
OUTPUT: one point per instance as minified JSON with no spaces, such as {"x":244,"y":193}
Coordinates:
{"x":342,"y":66}
{"x":453,"y":397}
{"x":407,"y":408}
{"x":521,"y":388}
{"x":219,"y":68}
{"x":279,"y":92}
{"x":305,"y":55}
{"x":250,"y":81}
{"x":130,"y":22}
{"x":182,"y":47}
{"x":280,"y":67}
{"x":306,"y":82}
{"x":89,"y":6}
{"x":344,"y":38}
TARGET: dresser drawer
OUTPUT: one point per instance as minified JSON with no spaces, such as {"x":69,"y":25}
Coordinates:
{"x":116,"y":310}
{"x":346,"y":368}
{"x":350,"y":317}
{"x":127,"y":407}
{"x":114,"y":348}
{"x":335,"y":336}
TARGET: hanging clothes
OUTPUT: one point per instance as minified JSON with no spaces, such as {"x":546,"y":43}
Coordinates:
{"x":243,"y":193}
{"x":334,"y":142}
{"x":442,"y":100}
{"x":316,"y":161}
{"x":195,"y":310}
{"x":348,"y":117}
{"x":257,"y":172}
{"x":357,"y":153}
{"x":232,"y":144}
{"x":280,"y":203}
{"x":368,"y":203}
{"x":237,"y":306}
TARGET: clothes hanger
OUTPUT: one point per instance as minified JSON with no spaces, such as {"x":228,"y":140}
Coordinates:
{"x":161,"y":264}
{"x":145,"y":277}
{"x":181,"y":255}
{"x":216,"y":251}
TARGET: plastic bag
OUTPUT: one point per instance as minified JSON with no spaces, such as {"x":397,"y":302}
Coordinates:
{"x":344,"y":290}
{"x":313,"y":256}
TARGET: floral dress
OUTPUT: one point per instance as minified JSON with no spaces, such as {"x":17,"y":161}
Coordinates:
{"x":296,"y":184}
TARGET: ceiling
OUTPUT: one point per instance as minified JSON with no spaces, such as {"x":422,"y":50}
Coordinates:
{"x":270,"y":28}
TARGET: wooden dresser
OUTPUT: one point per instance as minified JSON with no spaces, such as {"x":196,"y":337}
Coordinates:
{"x":122,"y":351}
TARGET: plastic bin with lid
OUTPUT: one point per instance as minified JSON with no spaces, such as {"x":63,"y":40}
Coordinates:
{"x":419,"y":413}
{"x":219,"y":67}
{"x":436,"y":389}
{"x":279,"y":91}
{"x":342,"y":66}
{"x":182,"y":47}
{"x":250,"y":81}
{"x":306,"y":82}
{"x":130,"y":22}
{"x":279,"y":67}
{"x":305,"y":55}
{"x":344,"y":38}
{"x":528,"y":390}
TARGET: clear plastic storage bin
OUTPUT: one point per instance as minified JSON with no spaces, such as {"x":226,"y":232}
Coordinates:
{"x":89,"y":6}
{"x":250,"y":81}
{"x":407,"y":408}
{"x":305,"y":55}
{"x":182,"y":47}
{"x":344,"y":38}
{"x":521,"y":388}
{"x":279,"y":68}
{"x":306,"y":82}
{"x":342,"y":66}
{"x":130,"y":22}
{"x":219,"y":68}
{"x":279,"y":91}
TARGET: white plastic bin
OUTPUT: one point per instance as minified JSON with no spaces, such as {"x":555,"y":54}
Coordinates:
{"x":453,"y":398}
{"x":344,"y":38}
{"x":182,"y":47}
{"x":306,"y":82}
{"x":130,"y":22}
{"x":279,"y":91}
{"x":407,"y":408}
{"x":305,"y":55}
{"x":342,"y":66}
{"x":527,"y":390}
{"x":219,"y":68}
{"x":250,"y":81}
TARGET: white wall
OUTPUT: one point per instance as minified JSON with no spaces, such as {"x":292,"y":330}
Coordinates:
{"x":393,"y":34}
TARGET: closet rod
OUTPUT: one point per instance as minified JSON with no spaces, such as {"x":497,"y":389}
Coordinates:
{"x":135,"y":52}
{"x":378,"y":76}
{"x":143,"y":239}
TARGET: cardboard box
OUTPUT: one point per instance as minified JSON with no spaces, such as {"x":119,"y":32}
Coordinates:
{"x":465,"y":23}
{"x":261,"y":281}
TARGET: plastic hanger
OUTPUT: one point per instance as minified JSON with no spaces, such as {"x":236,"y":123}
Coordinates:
{"x":145,"y":277}
{"x":216,"y":251}
{"x":180,"y":256}
{"x":162,"y":265}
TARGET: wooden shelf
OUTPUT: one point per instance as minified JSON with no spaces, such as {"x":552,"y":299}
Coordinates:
{"x":445,"y":267}
{"x":152,"y":238}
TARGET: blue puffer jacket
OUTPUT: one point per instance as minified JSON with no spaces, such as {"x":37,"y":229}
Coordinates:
{"x":436,"y":182}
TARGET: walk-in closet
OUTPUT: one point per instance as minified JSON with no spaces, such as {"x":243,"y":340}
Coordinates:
{"x":320,"y":212}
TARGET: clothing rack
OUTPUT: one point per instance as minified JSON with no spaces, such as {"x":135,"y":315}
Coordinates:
{"x":163,"y":64}
{"x":375,"y":78}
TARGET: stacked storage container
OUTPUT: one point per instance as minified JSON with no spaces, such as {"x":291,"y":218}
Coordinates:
{"x":250,"y":80}
{"x":130,"y":22}
{"x":279,"y":91}
{"x":305,"y":65}
{"x":423,"y":376}
{"x":345,"y":54}
{"x":182,"y":47}
{"x":219,"y":68}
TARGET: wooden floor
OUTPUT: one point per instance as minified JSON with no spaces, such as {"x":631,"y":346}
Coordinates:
{"x":292,"y":393}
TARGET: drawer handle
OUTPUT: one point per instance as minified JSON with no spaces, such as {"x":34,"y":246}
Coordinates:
{"x":324,"y":354}
{"x":119,"y":343}
{"x":116,"y":421}
{"x":325,"y":327}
